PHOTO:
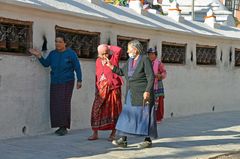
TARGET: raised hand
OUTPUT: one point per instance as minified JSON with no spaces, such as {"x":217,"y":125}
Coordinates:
{"x":35,"y":52}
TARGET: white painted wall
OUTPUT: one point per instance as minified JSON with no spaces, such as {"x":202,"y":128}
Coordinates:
{"x":24,"y":83}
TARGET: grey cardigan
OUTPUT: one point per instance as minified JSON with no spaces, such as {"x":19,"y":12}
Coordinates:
{"x":141,"y":81}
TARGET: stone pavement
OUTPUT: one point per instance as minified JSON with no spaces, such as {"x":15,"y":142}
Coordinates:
{"x":233,"y":155}
{"x":194,"y":137}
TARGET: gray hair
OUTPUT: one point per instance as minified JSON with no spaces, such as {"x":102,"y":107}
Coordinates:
{"x":137,"y":45}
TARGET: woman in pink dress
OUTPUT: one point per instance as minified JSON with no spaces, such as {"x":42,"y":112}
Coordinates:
{"x":160,"y":74}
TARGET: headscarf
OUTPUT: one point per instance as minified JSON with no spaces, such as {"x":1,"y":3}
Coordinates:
{"x":137,"y":45}
{"x":152,"y":50}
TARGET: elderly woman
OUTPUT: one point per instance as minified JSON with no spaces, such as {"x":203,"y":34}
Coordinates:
{"x":137,"y":117}
{"x":160,"y":74}
{"x":107,"y":104}
{"x":63,"y":62}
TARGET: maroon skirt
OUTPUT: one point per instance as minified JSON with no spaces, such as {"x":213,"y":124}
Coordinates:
{"x":106,"y":107}
{"x":60,"y":104}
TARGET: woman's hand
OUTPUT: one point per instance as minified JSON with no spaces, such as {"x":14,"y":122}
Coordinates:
{"x":79,"y":85}
{"x":146,"y":97}
{"x":158,"y":76}
{"x":35,"y":52}
{"x":108,"y":63}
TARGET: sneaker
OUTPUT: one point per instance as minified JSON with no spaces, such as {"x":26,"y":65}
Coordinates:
{"x":120,"y":142}
{"x":145,"y":144}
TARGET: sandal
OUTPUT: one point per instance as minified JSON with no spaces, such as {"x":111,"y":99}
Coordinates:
{"x":111,"y":138}
{"x":93,"y":137}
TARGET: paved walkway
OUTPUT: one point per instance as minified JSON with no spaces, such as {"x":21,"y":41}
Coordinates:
{"x":233,"y":155}
{"x":194,"y":137}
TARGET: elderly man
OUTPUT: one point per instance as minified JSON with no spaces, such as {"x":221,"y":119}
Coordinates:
{"x":107,"y":104}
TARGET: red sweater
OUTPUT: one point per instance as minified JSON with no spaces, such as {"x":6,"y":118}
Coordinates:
{"x":114,"y":80}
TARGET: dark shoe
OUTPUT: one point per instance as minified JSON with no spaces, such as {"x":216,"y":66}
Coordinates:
{"x":145,"y":144}
{"x":62,"y":132}
{"x":120,"y":142}
{"x":57,"y":131}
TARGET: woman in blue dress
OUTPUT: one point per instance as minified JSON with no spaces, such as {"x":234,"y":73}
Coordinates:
{"x":137,"y":117}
